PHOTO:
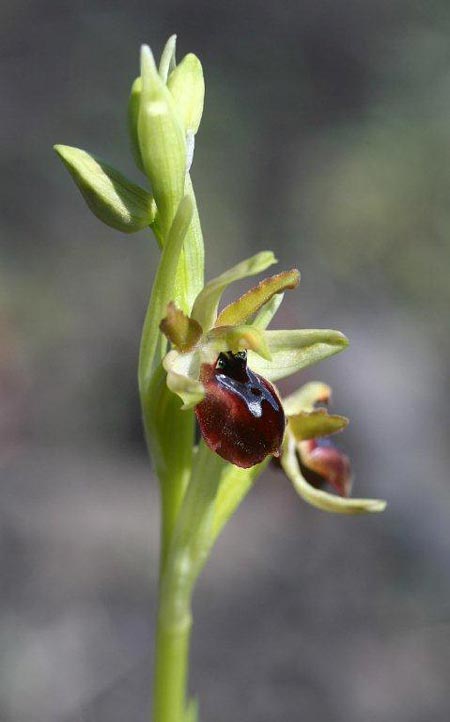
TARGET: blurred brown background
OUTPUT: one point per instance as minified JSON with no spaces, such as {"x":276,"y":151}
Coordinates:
{"x":326,"y":136}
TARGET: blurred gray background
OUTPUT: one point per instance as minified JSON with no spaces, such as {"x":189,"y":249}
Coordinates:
{"x":326,"y":136}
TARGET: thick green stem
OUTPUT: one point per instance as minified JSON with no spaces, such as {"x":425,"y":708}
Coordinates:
{"x":189,"y":547}
{"x":171,"y":659}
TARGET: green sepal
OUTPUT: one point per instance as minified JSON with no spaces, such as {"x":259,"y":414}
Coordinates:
{"x":161,"y":141}
{"x":113,"y":198}
{"x":294,"y":350}
{"x":205,"y":306}
{"x":250,"y":303}
{"x":314,"y":424}
{"x":181,"y":330}
{"x":318,"y":498}
{"x":187,"y":85}
{"x":134,"y":103}
{"x":306,"y":398}
{"x":168,"y":59}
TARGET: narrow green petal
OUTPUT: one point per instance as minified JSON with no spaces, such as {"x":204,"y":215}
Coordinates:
{"x":113,"y":198}
{"x":268,"y":311}
{"x":205,"y":307}
{"x":306,"y":397}
{"x":321,"y":499}
{"x":181,"y":330}
{"x":314,"y":424}
{"x":247,"y":305}
{"x":295,"y":350}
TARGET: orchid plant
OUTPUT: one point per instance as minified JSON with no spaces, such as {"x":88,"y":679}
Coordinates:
{"x":199,"y":366}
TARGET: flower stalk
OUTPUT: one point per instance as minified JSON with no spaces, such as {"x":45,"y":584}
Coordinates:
{"x":197,"y":362}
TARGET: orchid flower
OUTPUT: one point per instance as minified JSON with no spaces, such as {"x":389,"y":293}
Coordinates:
{"x":199,"y":365}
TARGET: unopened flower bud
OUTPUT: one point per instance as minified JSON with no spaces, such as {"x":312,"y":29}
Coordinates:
{"x":114,"y":199}
{"x":187,"y":87}
{"x":161,"y":140}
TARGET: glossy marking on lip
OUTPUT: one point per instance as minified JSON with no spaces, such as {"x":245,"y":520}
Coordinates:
{"x":241,"y":380}
{"x":241,"y":417}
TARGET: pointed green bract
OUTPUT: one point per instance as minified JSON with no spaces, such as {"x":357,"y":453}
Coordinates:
{"x":113,"y":198}
{"x":134,"y":103}
{"x":247,"y":305}
{"x":205,"y":307}
{"x":294,"y":350}
{"x":163,"y":290}
{"x":235,"y":483}
{"x":321,"y":499}
{"x":161,"y":141}
{"x":168,"y":60}
{"x":314,"y":424}
{"x":187,"y":86}
{"x":192,"y":261}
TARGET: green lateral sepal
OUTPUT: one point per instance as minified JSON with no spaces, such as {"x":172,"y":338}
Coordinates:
{"x":317,"y":497}
{"x":294,"y":350}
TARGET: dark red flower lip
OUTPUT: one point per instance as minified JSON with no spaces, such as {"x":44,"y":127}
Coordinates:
{"x":241,"y":417}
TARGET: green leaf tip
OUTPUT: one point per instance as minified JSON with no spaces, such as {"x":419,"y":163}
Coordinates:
{"x":113,"y":198}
